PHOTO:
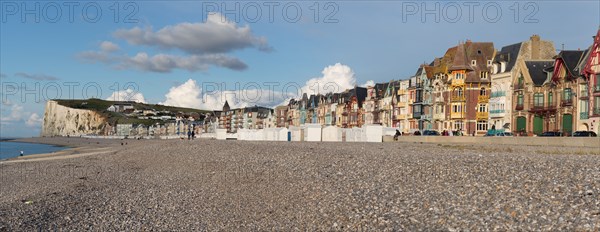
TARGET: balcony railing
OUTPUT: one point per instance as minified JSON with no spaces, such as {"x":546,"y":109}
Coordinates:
{"x":519,"y":107}
{"x":483,"y":98}
{"x":439,"y":116}
{"x":482,"y":115}
{"x":427,"y":102}
{"x":497,"y":111}
{"x":401,"y":91}
{"x":567,"y":102}
{"x":457,"y":115}
{"x":519,"y":86}
{"x":584,"y":115}
{"x":439,"y":99}
{"x":458,"y":98}
{"x":498,"y":94}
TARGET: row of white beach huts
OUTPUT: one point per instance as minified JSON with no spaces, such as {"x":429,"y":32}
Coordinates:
{"x":310,"y":133}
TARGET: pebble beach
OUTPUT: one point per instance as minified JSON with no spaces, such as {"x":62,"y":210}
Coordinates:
{"x":210,"y":185}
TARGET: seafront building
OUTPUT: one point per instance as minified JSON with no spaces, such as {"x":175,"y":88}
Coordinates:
{"x":525,"y":88}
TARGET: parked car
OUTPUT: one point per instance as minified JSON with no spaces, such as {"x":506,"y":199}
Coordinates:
{"x":430,"y":133}
{"x":584,"y":134}
{"x":551,"y":134}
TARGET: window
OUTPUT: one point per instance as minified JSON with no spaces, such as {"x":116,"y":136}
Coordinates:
{"x":482,"y":125}
{"x":473,"y":62}
{"x":567,"y":95}
{"x":458,"y":125}
{"x":520,"y":82}
{"x":489,"y":62}
{"x":520,"y":99}
{"x":550,"y":96}
{"x":482,"y":108}
{"x":538,"y":100}
{"x":484,"y":75}
{"x":456,"y":108}
{"x":482,"y":91}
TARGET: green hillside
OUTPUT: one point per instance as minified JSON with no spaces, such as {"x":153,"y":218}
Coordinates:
{"x":100,"y":105}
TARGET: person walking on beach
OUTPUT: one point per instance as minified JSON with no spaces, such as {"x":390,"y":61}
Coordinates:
{"x":21,"y":153}
{"x":193,"y":135}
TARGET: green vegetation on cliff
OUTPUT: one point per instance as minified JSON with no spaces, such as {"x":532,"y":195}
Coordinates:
{"x":101,"y":106}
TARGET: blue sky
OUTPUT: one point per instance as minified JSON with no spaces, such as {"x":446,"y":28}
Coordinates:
{"x":362,"y":41}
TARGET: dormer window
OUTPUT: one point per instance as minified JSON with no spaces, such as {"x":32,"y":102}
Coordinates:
{"x":474,"y":62}
{"x":484,"y":75}
{"x":489,"y":63}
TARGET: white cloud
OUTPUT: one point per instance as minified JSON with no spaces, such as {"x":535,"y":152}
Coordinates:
{"x":190,"y":94}
{"x":166,"y":63}
{"x":184,"y":95}
{"x":107,"y":46}
{"x":368,"y":83}
{"x":17,"y":114}
{"x":34,"y":120}
{"x":336,"y":78}
{"x":216,"y":35}
{"x":127,"y":95}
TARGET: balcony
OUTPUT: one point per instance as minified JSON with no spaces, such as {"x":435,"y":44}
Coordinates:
{"x":567,"y":102}
{"x":519,"y":107}
{"x":457,"y":115}
{"x":498,"y":94}
{"x":497,"y":113}
{"x":439,"y":100}
{"x":427,"y":102}
{"x":401,"y":117}
{"x":542,"y":109}
{"x":439,"y":116}
{"x":483,"y":99}
{"x":519,"y":86}
{"x":457,"y":83}
{"x":482,"y":115}
{"x":401,"y":91}
{"x":584,"y":115}
{"x":458,"y":98}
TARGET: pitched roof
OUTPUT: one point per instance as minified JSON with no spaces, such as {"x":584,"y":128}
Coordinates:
{"x":538,"y":70}
{"x":461,"y":61}
{"x":571,"y":59}
{"x":509,"y":55}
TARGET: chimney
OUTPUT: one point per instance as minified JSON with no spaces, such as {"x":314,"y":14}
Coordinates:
{"x":535,"y":47}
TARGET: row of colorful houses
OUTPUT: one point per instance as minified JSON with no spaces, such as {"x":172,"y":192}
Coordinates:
{"x":525,"y":88}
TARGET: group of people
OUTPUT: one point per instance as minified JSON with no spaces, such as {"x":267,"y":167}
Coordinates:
{"x":191,"y":135}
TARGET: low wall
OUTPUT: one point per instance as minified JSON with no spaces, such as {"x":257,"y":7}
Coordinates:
{"x":533,"y":141}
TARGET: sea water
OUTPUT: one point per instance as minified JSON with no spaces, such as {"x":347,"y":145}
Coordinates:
{"x":13,"y":149}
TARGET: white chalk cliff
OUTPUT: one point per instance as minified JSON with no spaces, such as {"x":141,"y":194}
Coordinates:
{"x":62,"y":121}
